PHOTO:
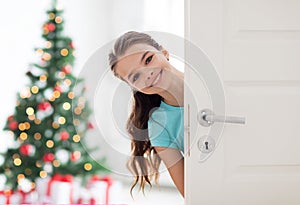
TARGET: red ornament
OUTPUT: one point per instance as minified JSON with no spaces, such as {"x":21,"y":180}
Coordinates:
{"x":27,"y":149}
{"x":57,"y":88}
{"x":64,"y":135}
{"x":71,"y":45}
{"x":10,"y":118}
{"x":13,"y":125}
{"x":44,"y":106}
{"x":90,"y":125}
{"x":75,"y":156}
{"x":51,"y":27}
{"x":48,"y":157}
{"x":67,"y":69}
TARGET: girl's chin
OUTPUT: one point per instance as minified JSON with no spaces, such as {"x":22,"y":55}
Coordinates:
{"x":152,"y":90}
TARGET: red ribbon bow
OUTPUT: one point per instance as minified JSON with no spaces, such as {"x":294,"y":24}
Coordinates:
{"x":23,"y":194}
{"x":60,"y":178}
{"x":109,"y":182}
{"x":7,"y":194}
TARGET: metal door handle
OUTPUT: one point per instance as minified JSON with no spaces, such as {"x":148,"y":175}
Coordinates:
{"x":206,"y":118}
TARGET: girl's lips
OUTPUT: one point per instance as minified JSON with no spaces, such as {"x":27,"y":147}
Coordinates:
{"x":157,"y":79}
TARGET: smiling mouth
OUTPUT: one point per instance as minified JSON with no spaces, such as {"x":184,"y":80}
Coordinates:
{"x":157,"y":78}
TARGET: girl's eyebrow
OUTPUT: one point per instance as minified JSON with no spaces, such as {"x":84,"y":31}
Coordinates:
{"x":144,"y":55}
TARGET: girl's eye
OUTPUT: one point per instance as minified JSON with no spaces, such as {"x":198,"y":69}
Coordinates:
{"x":148,"y":60}
{"x":135,"y":77}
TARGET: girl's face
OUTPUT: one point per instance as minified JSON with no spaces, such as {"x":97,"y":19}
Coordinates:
{"x":144,"y":68}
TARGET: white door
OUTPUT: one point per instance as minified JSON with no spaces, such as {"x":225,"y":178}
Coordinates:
{"x":255,"y":48}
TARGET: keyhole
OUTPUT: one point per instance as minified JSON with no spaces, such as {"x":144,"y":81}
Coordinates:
{"x":206,"y":145}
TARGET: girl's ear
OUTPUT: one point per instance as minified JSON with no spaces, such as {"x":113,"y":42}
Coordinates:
{"x":166,"y":53}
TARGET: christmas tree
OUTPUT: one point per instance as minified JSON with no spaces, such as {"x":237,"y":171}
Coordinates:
{"x":51,"y":119}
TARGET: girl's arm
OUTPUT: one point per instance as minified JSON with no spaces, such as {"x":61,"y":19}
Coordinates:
{"x":174,"y":161}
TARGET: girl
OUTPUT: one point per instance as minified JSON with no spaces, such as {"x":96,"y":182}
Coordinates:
{"x":155,"y":124}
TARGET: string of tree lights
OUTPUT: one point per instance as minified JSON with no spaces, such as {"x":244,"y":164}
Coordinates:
{"x":50,"y":120}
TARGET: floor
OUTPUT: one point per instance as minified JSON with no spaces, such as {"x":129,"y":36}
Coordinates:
{"x":164,"y":194}
{"x":155,"y":196}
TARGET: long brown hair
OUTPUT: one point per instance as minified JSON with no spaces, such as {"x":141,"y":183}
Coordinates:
{"x":144,"y":161}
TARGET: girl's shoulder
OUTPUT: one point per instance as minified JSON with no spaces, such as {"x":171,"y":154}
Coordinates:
{"x":170,"y":107}
{"x":166,"y":112}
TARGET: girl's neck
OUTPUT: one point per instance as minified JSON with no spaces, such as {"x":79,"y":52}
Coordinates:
{"x":175,"y":94}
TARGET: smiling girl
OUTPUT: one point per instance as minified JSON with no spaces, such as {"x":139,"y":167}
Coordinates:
{"x":155,"y":124}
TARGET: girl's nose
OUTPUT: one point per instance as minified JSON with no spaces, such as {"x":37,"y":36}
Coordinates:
{"x":149,"y":79}
{"x":151,"y":74}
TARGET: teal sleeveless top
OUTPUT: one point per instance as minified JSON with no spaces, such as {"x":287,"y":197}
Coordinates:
{"x":165,"y":127}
